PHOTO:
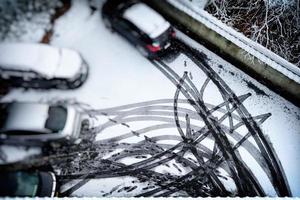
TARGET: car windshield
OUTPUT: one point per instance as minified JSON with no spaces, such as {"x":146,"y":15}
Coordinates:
{"x":19,"y":184}
{"x":57,"y":117}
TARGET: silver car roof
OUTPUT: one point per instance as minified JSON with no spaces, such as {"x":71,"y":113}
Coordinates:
{"x":26,"y":116}
{"x":146,"y":19}
{"x":44,"y":59}
{"x":33,"y":117}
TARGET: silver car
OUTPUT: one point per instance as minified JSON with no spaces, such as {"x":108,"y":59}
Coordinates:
{"x":41,"y":66}
{"x":38,"y":122}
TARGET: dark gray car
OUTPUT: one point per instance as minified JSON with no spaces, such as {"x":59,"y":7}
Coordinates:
{"x":27,"y":184}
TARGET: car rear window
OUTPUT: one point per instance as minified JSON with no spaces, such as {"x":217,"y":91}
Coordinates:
{"x":20,"y":184}
{"x":3,"y":114}
{"x":163,"y":37}
{"x":57,"y":117}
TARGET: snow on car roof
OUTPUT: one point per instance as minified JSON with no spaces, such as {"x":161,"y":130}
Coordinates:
{"x":26,"y":116}
{"x":47,"y":60}
{"x":37,"y":57}
{"x":146,"y":19}
{"x":69,"y":65}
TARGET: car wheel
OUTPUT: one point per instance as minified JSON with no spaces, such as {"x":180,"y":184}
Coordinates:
{"x":62,"y":86}
{"x":142,"y":51}
{"x":55,"y":145}
{"x":107,"y":24}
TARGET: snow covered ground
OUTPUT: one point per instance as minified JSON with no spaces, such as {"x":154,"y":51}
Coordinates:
{"x":119,"y":75}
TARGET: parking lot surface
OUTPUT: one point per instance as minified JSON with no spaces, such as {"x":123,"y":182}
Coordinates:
{"x":166,"y":126}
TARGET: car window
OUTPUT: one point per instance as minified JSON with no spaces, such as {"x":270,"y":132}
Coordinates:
{"x":124,"y":24}
{"x":3,"y":114}
{"x":131,"y":28}
{"x":163,"y":37}
{"x":27,"y":184}
{"x":26,"y":72}
{"x":22,"y":132}
{"x":57,"y":117}
{"x":21,"y":184}
{"x":146,"y":38}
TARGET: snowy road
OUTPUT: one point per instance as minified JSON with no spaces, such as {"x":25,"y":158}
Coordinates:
{"x":137,"y":148}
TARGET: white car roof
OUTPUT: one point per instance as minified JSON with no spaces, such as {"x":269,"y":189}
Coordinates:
{"x":70,"y":63}
{"x":44,"y":59}
{"x":27,"y":116}
{"x":146,"y":19}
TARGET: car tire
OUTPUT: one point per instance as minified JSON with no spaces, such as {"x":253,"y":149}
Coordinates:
{"x":55,"y":145}
{"x":62,"y":86}
{"x":107,"y":24}
{"x":143,"y":51}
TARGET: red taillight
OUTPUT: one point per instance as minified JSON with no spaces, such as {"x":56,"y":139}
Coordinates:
{"x":153,"y":48}
{"x":173,"y":33}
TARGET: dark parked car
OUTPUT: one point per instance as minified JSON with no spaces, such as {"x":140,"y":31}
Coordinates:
{"x":27,"y":184}
{"x":140,"y":24}
{"x":35,"y":123}
{"x":41,"y":66}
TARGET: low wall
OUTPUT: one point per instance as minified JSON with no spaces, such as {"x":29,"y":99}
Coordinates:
{"x":256,"y":68}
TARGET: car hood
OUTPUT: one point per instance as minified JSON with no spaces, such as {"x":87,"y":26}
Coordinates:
{"x":69,"y":64}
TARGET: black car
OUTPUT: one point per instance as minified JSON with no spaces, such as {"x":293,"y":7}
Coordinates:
{"x":140,"y":24}
{"x":27,"y":184}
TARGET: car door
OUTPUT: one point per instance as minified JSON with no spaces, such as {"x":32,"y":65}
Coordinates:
{"x":129,"y":31}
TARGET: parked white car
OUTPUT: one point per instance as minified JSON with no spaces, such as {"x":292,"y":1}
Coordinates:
{"x":41,"y":66}
{"x":37,"y":122}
